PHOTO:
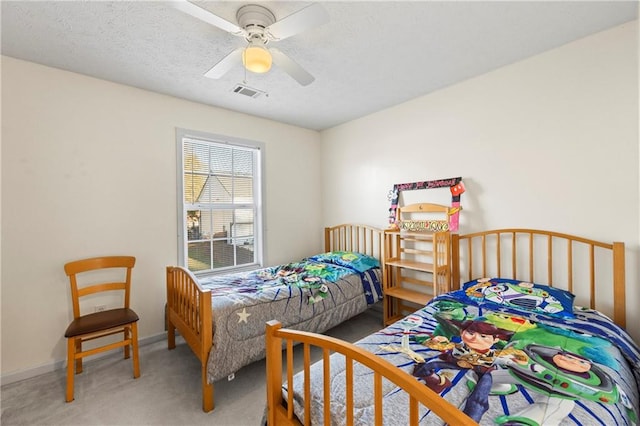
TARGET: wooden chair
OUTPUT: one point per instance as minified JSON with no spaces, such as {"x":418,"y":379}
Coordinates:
{"x":99,"y":324}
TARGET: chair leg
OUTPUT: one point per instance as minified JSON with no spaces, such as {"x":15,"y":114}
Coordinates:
{"x":78,"y":343}
{"x":71,"y":345}
{"x":134,"y":344}
{"x":126,"y":347}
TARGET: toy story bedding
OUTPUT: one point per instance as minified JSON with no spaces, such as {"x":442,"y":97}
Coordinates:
{"x":314,"y":295}
{"x":505,"y":352}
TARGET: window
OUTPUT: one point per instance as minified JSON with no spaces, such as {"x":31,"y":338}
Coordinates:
{"x":219,"y":202}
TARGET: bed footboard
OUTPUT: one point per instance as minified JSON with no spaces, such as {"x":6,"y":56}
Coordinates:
{"x":189,"y":311}
{"x":280,"y":412}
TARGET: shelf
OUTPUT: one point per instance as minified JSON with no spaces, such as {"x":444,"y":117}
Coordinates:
{"x":416,"y":267}
{"x":401,"y":279}
{"x":409,"y":295}
{"x":409,"y":264}
{"x":416,"y":251}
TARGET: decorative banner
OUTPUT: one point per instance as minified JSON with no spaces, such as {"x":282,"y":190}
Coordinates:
{"x":456,"y":186}
{"x":424,"y":225}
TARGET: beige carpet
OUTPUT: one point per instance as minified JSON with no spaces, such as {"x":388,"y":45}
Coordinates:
{"x":167,"y":393}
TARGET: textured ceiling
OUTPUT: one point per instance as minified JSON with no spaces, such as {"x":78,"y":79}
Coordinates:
{"x":370,"y":56}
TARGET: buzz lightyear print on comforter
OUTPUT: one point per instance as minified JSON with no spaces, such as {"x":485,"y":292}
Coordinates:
{"x":506,"y":353}
{"x":314,"y":295}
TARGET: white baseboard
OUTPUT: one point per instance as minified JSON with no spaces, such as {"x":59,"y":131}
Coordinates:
{"x":28,"y":373}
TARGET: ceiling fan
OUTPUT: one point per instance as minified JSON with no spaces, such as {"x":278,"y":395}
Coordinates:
{"x":258,"y":26}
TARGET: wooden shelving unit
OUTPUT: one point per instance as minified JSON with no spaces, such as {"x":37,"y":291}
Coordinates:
{"x":416,"y":269}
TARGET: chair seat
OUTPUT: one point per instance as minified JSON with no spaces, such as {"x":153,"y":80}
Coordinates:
{"x":99,"y":321}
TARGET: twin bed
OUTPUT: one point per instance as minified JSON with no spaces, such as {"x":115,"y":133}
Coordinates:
{"x":222,"y":318}
{"x":509,"y":345}
{"x":499,"y":350}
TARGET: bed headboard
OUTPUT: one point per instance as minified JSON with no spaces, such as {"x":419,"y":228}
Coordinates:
{"x":352,"y":237}
{"x":592,"y":270}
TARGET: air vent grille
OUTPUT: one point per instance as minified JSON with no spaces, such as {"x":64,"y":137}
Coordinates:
{"x":241,"y":89}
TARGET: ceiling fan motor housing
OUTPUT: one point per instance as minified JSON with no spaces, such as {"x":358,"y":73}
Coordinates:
{"x":254,"y":19}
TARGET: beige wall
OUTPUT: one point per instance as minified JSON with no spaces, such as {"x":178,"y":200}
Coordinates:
{"x":89,"y":168}
{"x":550,"y":142}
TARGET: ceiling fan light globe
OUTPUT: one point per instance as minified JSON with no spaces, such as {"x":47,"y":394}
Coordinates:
{"x":257,"y":59}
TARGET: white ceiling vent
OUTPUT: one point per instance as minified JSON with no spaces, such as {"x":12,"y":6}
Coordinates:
{"x":241,"y":89}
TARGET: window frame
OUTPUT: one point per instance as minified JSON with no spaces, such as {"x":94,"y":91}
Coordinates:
{"x":258,"y":190}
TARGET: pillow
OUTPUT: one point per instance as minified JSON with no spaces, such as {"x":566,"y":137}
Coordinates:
{"x":349,"y":259}
{"x":531,"y":297}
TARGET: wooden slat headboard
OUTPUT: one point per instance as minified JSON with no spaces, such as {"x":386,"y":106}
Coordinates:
{"x":593,"y":270}
{"x":351,"y":237}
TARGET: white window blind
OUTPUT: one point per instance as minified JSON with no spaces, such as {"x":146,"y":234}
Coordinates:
{"x":220,"y":204}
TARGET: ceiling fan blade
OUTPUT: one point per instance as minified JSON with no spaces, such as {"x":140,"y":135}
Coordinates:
{"x":221,"y":68}
{"x":208,"y":17}
{"x":292,"y":68}
{"x":310,"y":17}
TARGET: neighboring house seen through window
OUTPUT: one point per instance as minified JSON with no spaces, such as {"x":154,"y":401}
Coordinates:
{"x":219,"y":202}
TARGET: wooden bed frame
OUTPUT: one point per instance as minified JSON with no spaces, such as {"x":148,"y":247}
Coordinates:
{"x":189,"y":310}
{"x":546,"y":257}
{"x":481,"y":254}
{"x":280,"y":412}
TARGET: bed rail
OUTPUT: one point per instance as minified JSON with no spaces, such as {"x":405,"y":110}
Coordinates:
{"x":588,"y":268}
{"x":278,"y":414}
{"x":189,"y":311}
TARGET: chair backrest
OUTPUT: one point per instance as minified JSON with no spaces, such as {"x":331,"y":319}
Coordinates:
{"x":74,"y":268}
